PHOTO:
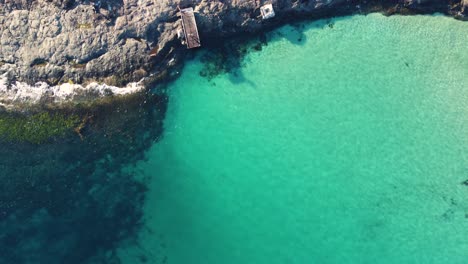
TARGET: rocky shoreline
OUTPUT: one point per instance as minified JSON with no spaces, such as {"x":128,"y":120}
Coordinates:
{"x":66,"y":51}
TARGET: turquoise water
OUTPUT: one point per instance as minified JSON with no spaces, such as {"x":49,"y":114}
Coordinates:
{"x":340,"y":143}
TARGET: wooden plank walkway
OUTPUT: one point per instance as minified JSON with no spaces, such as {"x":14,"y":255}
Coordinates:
{"x":190,"y":28}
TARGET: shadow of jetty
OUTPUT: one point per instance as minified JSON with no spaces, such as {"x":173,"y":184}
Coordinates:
{"x":68,"y":200}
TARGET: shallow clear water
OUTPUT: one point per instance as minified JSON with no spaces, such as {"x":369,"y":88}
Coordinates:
{"x":340,"y":143}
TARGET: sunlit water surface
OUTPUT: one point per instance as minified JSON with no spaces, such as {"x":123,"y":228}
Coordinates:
{"x":337,"y":143}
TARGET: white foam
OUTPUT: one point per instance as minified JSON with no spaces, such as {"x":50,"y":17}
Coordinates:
{"x":20,"y":92}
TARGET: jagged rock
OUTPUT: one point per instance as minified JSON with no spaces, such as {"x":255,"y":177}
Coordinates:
{"x":57,"y":41}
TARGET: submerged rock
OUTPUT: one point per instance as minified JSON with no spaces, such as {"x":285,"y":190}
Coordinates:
{"x":48,"y":43}
{"x":68,"y":200}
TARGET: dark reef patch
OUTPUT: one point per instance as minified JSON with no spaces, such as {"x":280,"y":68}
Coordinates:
{"x":67,"y":200}
{"x":296,"y":35}
{"x":228,"y":57}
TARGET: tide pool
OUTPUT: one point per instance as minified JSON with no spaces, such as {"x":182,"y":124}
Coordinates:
{"x":339,"y":142}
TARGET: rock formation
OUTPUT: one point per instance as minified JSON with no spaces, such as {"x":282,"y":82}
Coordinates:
{"x":47,"y":43}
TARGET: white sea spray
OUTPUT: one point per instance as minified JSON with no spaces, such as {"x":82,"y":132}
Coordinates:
{"x":23,"y":93}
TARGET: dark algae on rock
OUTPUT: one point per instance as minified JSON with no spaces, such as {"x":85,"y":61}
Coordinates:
{"x":67,"y":200}
{"x":36,"y":128}
{"x":228,"y":56}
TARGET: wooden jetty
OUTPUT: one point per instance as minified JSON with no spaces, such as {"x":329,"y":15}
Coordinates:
{"x":189,"y":26}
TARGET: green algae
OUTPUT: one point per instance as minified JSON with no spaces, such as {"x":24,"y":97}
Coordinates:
{"x":36,"y":128}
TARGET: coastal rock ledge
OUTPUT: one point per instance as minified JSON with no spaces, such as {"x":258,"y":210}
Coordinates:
{"x":66,"y":50}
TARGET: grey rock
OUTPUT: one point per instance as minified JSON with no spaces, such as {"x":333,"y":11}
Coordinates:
{"x":57,"y":41}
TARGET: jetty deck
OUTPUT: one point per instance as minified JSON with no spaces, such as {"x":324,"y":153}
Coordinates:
{"x":190,"y":28}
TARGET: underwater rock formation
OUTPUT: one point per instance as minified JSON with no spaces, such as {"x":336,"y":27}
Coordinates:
{"x":47,"y":43}
{"x":67,"y":200}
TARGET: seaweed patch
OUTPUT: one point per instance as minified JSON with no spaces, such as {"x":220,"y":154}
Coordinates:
{"x":36,"y":128}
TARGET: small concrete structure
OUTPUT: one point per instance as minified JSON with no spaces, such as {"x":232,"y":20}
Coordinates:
{"x":464,"y":8}
{"x":267,"y":11}
{"x":190,"y":31}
